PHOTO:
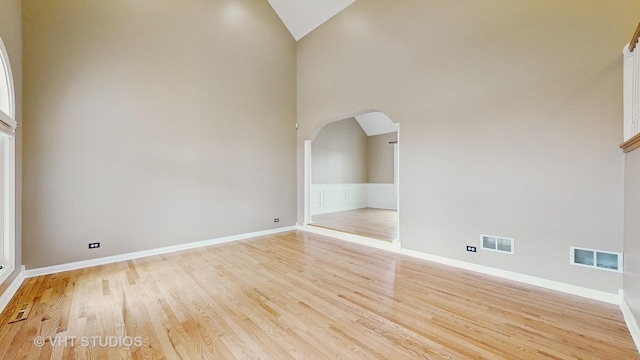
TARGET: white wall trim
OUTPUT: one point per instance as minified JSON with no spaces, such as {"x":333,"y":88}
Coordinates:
{"x":522,"y":278}
{"x":632,"y":322}
{"x":331,"y":198}
{"x":509,"y":275}
{"x":140,"y":254}
{"x":382,"y":196}
{"x":12,"y":289}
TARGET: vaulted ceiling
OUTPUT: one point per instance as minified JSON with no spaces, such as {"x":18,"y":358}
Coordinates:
{"x":303,"y":16}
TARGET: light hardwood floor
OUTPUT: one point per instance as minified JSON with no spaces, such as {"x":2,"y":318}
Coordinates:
{"x":374,"y":223}
{"x":300,"y":295}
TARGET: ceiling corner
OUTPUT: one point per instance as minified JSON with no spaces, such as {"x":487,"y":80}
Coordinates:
{"x":303,"y":16}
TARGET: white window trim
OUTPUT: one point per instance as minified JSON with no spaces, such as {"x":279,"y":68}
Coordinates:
{"x":10,"y":117}
{"x":9,"y":209}
{"x":8,"y":241}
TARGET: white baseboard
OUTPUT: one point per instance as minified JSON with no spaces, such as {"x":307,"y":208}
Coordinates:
{"x":509,"y":275}
{"x":140,"y":254}
{"x":632,"y":322}
{"x":522,"y":278}
{"x":11,"y":290}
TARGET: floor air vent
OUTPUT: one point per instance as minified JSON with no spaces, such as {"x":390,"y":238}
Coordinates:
{"x":496,"y":243}
{"x":22,"y":313}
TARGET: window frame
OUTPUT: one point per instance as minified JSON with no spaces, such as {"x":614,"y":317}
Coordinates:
{"x":9,"y":118}
{"x":8,"y":240}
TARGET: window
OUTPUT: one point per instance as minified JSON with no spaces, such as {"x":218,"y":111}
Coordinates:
{"x":4,"y":89}
{"x":7,"y":167}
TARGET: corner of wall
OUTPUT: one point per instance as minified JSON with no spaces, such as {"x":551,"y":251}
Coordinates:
{"x":630,"y":320}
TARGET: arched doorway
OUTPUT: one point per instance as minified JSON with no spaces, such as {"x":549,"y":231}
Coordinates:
{"x":352,"y":176}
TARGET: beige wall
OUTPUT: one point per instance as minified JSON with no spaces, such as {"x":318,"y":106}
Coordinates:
{"x":632,"y":232}
{"x":150,"y":124}
{"x":340,"y":154}
{"x":344,"y":154}
{"x":11,"y":34}
{"x":380,"y":158}
{"x":511,"y":116}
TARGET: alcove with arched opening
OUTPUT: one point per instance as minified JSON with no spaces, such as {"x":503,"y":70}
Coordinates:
{"x":352,"y":176}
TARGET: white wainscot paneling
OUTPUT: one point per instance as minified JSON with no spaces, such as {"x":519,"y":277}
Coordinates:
{"x":382,"y":196}
{"x":329,"y":198}
{"x":316,"y":200}
{"x":335,"y":198}
{"x":358,"y":196}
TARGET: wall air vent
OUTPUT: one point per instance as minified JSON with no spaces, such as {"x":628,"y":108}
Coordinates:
{"x":496,"y":243}
{"x":604,"y":260}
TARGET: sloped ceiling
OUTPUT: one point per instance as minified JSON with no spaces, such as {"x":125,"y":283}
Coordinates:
{"x":376,"y":123}
{"x":303,"y":16}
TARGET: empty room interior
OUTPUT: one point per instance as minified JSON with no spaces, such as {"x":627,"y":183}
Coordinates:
{"x":321,"y":179}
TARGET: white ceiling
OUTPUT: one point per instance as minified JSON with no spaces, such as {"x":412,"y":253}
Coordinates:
{"x":303,"y":16}
{"x":376,"y":123}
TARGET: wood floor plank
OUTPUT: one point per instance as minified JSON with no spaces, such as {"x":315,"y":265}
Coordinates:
{"x":303,"y":296}
{"x":378,"y":224}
